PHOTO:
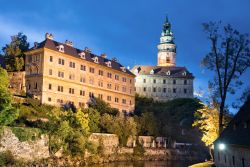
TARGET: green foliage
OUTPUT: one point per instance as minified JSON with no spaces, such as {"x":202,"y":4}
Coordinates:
{"x":94,"y":119}
{"x":171,"y":118}
{"x":26,"y":134}
{"x":146,"y":124}
{"x":68,"y":130}
{"x":7,"y":113}
{"x":119,"y":125}
{"x":102,"y":107}
{"x":14,"y":52}
{"x":6,"y":158}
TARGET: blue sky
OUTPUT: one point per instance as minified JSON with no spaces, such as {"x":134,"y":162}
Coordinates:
{"x":128,"y":29}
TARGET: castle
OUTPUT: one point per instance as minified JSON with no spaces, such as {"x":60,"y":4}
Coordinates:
{"x":57,"y":73}
{"x":166,"y":81}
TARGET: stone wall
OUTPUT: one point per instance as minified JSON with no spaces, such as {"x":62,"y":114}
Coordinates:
{"x":17,"y":82}
{"x":28,"y":150}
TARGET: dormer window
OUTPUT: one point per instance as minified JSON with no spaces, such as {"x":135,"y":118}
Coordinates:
{"x":168,"y":73}
{"x":152,"y":72}
{"x":82,"y":55}
{"x":184,"y":73}
{"x":108,"y":63}
{"x":136,"y":71}
{"x":95,"y":59}
{"x":60,"y":48}
{"x":123,"y":69}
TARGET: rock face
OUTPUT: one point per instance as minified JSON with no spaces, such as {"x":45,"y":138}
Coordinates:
{"x":28,"y":150}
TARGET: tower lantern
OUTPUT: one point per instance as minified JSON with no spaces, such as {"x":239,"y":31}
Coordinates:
{"x":166,"y":47}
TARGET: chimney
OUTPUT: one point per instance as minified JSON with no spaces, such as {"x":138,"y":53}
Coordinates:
{"x":114,"y":59}
{"x":49,"y":36}
{"x":103,"y":55}
{"x":88,"y":50}
{"x":35,"y":44}
{"x":69,"y":43}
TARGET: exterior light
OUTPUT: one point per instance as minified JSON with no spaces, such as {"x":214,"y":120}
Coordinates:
{"x":222,"y":146}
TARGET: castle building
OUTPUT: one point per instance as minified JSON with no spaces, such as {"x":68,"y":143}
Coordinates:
{"x":57,"y":73}
{"x":166,"y":81}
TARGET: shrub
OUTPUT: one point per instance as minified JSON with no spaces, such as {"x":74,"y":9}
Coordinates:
{"x":26,"y":134}
{"x":6,"y":158}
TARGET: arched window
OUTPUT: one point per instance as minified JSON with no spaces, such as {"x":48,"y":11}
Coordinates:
{"x":168,"y":60}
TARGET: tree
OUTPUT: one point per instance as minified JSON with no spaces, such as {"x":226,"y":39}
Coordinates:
{"x":102,"y":107}
{"x":119,"y":125}
{"x":229,"y":58}
{"x":14,"y":52}
{"x":207,"y":120}
{"x":7,"y":112}
{"x":68,"y":130}
{"x":94,"y":119}
{"x":146,"y":124}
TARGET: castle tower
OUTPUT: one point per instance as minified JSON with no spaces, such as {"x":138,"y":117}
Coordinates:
{"x":167,"y":47}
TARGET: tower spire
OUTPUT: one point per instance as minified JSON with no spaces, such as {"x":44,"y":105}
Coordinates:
{"x":166,"y":48}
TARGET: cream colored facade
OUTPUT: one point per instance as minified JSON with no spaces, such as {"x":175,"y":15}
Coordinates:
{"x":57,"y":78}
{"x":166,"y":81}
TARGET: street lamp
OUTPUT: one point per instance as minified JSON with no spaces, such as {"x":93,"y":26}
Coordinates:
{"x":222,"y":146}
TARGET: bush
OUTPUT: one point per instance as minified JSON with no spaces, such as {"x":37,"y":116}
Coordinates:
{"x":6,"y":158}
{"x":139,"y":149}
{"x":27,"y":134}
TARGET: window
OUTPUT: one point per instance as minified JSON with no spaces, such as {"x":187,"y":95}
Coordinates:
{"x":50,"y":86}
{"x":91,"y":95}
{"x":108,"y":98}
{"x":154,"y":81}
{"x":144,"y":80}
{"x":82,"y":79}
{"x":185,"y":91}
{"x":81,"y":104}
{"x":124,"y":79}
{"x":144,"y":89}
{"x":109,"y":86}
{"x":109,"y":75}
{"x":225,"y":159}
{"x":59,"y":101}
{"x":35,"y":85}
{"x":83,"y":67}
{"x":164,"y":81}
{"x":130,"y":102}
{"x":61,"y":61}
{"x":91,"y":81}
{"x":49,"y":98}
{"x":185,"y":82}
{"x":60,"y":48}
{"x":130,"y":80}
{"x":124,"y":101}
{"x":174,"y":90}
{"x":117,"y":87}
{"x":71,"y":91}
{"x":167,"y":60}
{"x":124,"y":89}
{"x":72,"y":64}
{"x":174,"y":81}
{"x":117,"y":100}
{"x":51,"y":58}
{"x":60,"y":88}
{"x":71,"y":76}
{"x":100,"y":83}
{"x":82,"y":93}
{"x":101,"y":72}
{"x":50,"y":71}
{"x":116,"y":77}
{"x":60,"y":74}
{"x":100,"y":96}
{"x":154,"y":89}
{"x":164,"y":90}
{"x":91,"y":70}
